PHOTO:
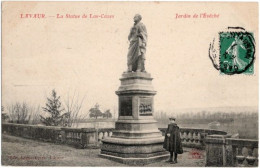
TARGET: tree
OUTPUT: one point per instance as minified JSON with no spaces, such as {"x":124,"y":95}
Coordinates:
{"x":22,"y":113}
{"x":73,"y":108}
{"x":107,"y":114}
{"x":53,"y":108}
{"x":95,"y":112}
{"x":4,"y":115}
{"x":19,"y":113}
{"x":35,"y":115}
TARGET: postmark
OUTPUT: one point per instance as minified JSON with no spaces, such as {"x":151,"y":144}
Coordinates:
{"x":233,"y":52}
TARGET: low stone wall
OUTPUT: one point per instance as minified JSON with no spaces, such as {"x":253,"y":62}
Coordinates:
{"x":42,"y":133}
{"x":225,"y":151}
{"x":78,"y":137}
{"x":104,"y":133}
{"x":90,"y":137}
{"x":194,"y":138}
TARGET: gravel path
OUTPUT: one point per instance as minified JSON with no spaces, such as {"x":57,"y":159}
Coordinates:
{"x":18,"y":151}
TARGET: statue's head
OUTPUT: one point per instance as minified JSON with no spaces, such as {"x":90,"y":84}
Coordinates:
{"x":137,"y":18}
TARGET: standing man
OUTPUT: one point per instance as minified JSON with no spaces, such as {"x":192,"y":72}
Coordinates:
{"x":172,"y":141}
{"x":137,"y":47}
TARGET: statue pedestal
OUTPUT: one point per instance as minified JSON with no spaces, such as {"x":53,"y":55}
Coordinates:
{"x":136,"y":139}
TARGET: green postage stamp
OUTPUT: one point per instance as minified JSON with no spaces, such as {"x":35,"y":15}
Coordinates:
{"x":236,"y":52}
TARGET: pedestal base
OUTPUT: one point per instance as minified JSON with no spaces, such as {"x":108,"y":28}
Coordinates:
{"x":136,"y":139}
{"x":136,"y":161}
{"x":134,"y":151}
{"x":135,"y":147}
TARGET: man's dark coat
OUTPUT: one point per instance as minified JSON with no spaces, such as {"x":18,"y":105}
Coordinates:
{"x":173,"y":143}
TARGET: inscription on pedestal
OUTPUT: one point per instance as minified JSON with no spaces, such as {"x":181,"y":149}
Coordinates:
{"x":125,"y":106}
{"x":146,"y":107}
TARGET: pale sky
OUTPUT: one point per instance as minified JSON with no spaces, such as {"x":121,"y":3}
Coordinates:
{"x":89,"y":55}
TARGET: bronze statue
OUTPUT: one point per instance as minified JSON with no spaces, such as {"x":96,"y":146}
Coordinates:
{"x":137,"y":47}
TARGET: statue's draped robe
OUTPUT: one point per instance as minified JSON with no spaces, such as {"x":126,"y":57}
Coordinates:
{"x":173,"y":143}
{"x":137,"y":47}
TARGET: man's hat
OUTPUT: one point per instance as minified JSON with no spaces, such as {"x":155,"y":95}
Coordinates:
{"x":172,"y":118}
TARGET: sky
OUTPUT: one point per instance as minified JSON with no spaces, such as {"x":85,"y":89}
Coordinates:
{"x":88,"y":55}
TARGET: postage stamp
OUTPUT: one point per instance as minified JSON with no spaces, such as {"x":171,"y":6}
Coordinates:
{"x":235,"y":52}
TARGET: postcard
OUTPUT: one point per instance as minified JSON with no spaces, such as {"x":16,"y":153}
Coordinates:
{"x":154,"y":84}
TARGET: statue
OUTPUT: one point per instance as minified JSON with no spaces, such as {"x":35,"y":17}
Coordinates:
{"x":137,"y":47}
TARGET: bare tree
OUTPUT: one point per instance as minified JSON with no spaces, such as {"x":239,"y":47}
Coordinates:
{"x":35,"y":115}
{"x":19,"y":113}
{"x":4,"y":115}
{"x":73,"y":105}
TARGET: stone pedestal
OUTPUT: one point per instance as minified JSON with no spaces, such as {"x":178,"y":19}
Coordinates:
{"x":136,"y":139}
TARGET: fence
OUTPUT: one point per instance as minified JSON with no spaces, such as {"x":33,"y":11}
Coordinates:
{"x":195,"y":138}
{"x":226,"y":151}
{"x":78,"y":137}
{"x":104,"y":133}
{"x":89,"y":137}
{"x":42,"y":133}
